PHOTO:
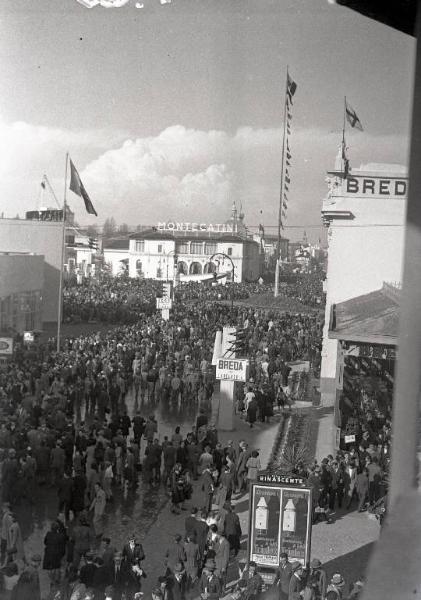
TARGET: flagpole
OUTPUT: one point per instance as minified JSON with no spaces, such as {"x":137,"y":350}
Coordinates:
{"x":343,"y":137}
{"x":278,"y":258}
{"x":63,"y":243}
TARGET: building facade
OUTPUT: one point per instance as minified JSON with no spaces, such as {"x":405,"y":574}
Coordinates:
{"x":41,"y":238}
{"x":365,"y":215}
{"x":21,"y":292}
{"x":193,"y":255}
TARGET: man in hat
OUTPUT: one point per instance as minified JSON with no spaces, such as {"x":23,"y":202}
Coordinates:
{"x":178,"y":582}
{"x":336,"y":587}
{"x":87,"y":572}
{"x":175,"y":554}
{"x":318,"y":579}
{"x":240,"y":466}
{"x":297,"y":581}
{"x":253,"y":580}
{"x":283,"y":576}
{"x":133,"y":550}
{"x":221,"y":547}
{"x":6,"y":524}
{"x":209,"y":585}
{"x":117,"y":575}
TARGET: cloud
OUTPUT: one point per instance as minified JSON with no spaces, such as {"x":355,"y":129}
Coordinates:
{"x":181,"y":173}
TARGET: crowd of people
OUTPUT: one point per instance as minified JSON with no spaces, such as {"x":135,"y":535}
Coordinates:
{"x":108,"y":299}
{"x":64,"y":423}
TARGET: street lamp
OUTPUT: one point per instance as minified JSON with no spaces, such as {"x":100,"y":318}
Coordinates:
{"x":232,"y":272}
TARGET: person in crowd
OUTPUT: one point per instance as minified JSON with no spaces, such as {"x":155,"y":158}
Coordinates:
{"x":175,"y":554}
{"x":283,"y":576}
{"x":54,"y":552}
{"x":254,"y":581}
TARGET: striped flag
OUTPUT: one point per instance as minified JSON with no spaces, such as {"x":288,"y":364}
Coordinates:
{"x":78,"y":188}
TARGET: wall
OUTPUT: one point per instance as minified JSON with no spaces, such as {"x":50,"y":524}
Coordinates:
{"x":38,"y":237}
{"x":114,"y":257}
{"x":364,"y":251}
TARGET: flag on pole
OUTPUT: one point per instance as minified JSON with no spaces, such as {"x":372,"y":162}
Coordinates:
{"x":284,"y":204}
{"x":43,"y":184}
{"x":78,"y":188}
{"x":287,"y":179}
{"x":352,"y":118}
{"x":291,"y":87}
{"x":288,"y":156}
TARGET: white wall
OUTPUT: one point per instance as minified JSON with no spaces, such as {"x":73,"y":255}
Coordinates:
{"x":113,"y":257}
{"x":364,"y":251}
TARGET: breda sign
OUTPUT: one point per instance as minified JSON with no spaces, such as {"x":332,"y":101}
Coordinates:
{"x":376,"y":187}
{"x":231,"y":369}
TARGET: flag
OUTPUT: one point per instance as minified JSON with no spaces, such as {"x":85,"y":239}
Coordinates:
{"x":288,"y":164}
{"x":287,"y":179}
{"x":284,"y":204}
{"x":291,"y":87}
{"x":78,"y":188}
{"x":289,"y":115}
{"x":43,"y":185}
{"x":288,"y":155}
{"x":352,"y":118}
{"x":288,"y":129}
{"x":286,"y":187}
{"x":284,"y":213}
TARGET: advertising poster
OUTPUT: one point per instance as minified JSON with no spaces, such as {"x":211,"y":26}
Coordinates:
{"x":264,"y":539}
{"x":295,"y":524}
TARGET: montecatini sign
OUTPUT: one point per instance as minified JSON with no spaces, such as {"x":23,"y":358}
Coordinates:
{"x":187,"y":226}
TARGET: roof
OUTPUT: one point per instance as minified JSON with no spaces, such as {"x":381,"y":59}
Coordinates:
{"x":120,"y":244}
{"x":372,"y":318}
{"x":202,"y":236}
{"x":399,"y":14}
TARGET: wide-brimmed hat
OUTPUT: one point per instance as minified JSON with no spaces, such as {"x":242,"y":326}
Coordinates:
{"x":315,"y":563}
{"x":296,"y":565}
{"x":337,"y":579}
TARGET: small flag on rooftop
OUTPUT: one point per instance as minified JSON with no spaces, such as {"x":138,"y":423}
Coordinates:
{"x":352,"y":118}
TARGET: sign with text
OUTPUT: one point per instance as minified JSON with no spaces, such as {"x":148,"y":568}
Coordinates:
{"x":280,"y":521}
{"x":278,"y":478}
{"x":231,"y":369}
{"x":6,"y":346}
{"x":349,"y":439}
{"x":376,"y":187}
{"x":187,"y":226}
{"x":163,"y":303}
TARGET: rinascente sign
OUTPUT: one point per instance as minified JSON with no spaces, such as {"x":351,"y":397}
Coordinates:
{"x":379,"y":187}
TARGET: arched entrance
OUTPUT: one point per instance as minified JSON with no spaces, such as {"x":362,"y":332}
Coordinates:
{"x":195,"y":268}
{"x":182,"y":267}
{"x":209,"y":267}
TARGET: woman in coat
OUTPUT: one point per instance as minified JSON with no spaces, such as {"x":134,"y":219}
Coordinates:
{"x":252,"y":412}
{"x":55,"y":548}
{"x":253,"y":466}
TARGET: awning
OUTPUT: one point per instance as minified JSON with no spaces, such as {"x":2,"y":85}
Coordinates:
{"x":370,"y":319}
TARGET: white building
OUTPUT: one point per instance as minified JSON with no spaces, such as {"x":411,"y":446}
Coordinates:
{"x":365,"y":213}
{"x":116,"y":255}
{"x":185,"y":250}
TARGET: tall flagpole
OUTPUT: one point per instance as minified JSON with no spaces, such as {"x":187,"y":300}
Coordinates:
{"x":278,"y":258}
{"x":63,"y":243}
{"x":343,"y":139}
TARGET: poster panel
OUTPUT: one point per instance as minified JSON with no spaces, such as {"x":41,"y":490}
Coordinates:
{"x":264,"y":537}
{"x":295,"y":524}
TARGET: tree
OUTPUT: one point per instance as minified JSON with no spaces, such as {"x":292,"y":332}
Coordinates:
{"x":92,"y":231}
{"x":109,"y":228}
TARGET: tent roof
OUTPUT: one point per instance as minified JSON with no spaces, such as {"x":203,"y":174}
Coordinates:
{"x":372,"y":318}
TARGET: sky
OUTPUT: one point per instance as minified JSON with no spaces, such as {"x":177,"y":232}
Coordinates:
{"x":174,"y":111}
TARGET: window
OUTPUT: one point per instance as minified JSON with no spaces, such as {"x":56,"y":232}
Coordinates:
{"x":159,"y":273}
{"x":140,"y":246}
{"x":139,"y":268}
{"x":196,"y":248}
{"x":210,"y":248}
{"x":159,"y":248}
{"x":182,"y":248}
{"x":229,"y":251}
